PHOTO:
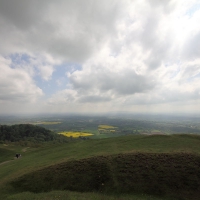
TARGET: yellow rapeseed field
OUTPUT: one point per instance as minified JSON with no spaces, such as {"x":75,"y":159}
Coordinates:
{"x":75,"y":134}
{"x":106,"y":127}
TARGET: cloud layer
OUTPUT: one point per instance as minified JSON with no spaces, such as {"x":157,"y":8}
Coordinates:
{"x":110,"y":55}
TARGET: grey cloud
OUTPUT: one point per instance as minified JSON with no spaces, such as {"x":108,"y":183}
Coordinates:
{"x":146,"y":34}
{"x":191,"y":71}
{"x":165,"y":5}
{"x":76,"y":50}
{"x":191,"y":48}
{"x":159,"y":3}
{"x":71,"y":30}
{"x":126,"y":82}
{"x":149,"y":37}
{"x":20,"y":13}
{"x":156,"y":45}
{"x":158,"y":54}
{"x":119,"y":50}
{"x":153,"y":63}
{"x":153,"y":41}
{"x":173,"y":96}
{"x":94,"y":99}
{"x":161,"y":97}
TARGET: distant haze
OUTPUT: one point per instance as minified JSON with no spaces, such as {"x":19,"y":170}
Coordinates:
{"x":75,"y":56}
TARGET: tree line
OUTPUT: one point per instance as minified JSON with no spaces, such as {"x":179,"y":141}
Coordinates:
{"x":27,"y":132}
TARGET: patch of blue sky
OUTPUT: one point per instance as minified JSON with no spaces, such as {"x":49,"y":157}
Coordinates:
{"x":171,"y":63}
{"x":18,"y":59}
{"x":192,"y":78}
{"x":71,"y":67}
{"x":173,"y":75}
{"x":197,"y":76}
{"x":176,"y":71}
{"x":190,"y":12}
{"x":59,"y":80}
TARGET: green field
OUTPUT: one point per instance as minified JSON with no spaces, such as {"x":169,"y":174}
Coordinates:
{"x":34,"y":160}
{"x":105,"y":126}
{"x":46,"y":123}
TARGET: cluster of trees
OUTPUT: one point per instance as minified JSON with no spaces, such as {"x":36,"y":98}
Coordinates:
{"x":27,"y":132}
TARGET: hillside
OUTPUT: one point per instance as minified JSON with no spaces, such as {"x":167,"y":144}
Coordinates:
{"x":159,"y":161}
{"x":5,"y":154}
{"x":177,"y":174}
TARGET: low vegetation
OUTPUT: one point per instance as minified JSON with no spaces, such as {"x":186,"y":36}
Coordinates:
{"x":175,"y":174}
{"x":122,"y":168}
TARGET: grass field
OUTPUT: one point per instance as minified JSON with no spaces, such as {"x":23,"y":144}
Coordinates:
{"x":104,"y":129}
{"x":35,"y":160}
{"x":68,"y":195}
{"x":46,"y":123}
{"x":5,"y":154}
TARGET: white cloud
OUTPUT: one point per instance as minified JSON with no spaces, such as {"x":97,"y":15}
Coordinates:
{"x":46,"y":71}
{"x":16,"y":84}
{"x":129,"y":52}
{"x":69,"y":30}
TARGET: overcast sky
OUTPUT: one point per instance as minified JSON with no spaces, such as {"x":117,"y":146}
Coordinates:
{"x":99,"y":56}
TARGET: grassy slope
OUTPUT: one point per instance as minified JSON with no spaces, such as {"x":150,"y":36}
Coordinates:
{"x":33,"y":160}
{"x":6,"y":154}
{"x":68,"y":195}
{"x":176,"y":174}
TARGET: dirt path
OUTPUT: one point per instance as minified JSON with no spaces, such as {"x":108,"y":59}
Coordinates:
{"x":9,"y":161}
{"x":25,"y":149}
{"x":6,"y":162}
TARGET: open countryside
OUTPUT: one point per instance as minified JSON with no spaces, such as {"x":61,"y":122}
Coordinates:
{"x":105,"y":129}
{"x":106,"y":163}
{"x":45,"y":123}
{"x":51,"y":169}
{"x":99,"y":100}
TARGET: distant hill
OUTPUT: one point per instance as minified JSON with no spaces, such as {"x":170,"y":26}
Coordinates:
{"x":27,"y":132}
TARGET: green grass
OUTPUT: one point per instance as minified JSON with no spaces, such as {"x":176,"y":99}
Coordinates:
{"x":63,"y":195}
{"x":50,"y":155}
{"x":152,"y":173}
{"x":6,"y":154}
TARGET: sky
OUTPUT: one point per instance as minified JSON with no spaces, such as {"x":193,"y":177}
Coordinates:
{"x":88,"y":56}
